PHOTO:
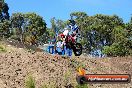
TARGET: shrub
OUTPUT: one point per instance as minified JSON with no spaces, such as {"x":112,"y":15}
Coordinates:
{"x":116,"y":49}
{"x":2,"y":48}
{"x":30,"y":82}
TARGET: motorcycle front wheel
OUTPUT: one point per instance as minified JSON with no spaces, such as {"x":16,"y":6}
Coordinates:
{"x":77,"y":49}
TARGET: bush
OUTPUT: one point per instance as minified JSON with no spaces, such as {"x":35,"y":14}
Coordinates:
{"x":116,"y":49}
{"x":30,"y":82}
{"x":2,"y":48}
{"x":15,"y":37}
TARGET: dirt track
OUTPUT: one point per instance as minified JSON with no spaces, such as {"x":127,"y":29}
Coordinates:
{"x":17,"y":64}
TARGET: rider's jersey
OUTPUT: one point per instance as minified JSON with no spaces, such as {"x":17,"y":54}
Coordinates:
{"x":73,"y":28}
{"x":66,"y":32}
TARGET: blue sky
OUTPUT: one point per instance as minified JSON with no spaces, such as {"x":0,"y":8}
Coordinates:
{"x":62,"y":8}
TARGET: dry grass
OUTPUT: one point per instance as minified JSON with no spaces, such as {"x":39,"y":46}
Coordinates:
{"x":17,"y":63}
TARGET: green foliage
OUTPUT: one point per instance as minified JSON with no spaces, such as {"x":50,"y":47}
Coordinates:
{"x":51,"y":33}
{"x":44,"y":38}
{"x":82,"y":86}
{"x":116,"y":49}
{"x":104,"y":30}
{"x":4,"y":11}
{"x":119,"y":34}
{"x":5,"y":28}
{"x":2,"y":48}
{"x":30,"y":82}
{"x":121,"y":45}
{"x":128,"y":27}
{"x":57,"y":26}
{"x":79,"y":15}
{"x":83,"y":42}
{"x":15,"y":37}
{"x":97,"y":31}
{"x":22,"y":25}
{"x":17,"y":21}
{"x":28,"y":24}
{"x":107,"y":50}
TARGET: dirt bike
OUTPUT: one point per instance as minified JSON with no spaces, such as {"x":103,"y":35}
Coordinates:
{"x":70,"y":41}
{"x":72,"y":44}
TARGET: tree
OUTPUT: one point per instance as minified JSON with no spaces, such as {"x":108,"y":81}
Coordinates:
{"x":17,"y":22}
{"x":116,"y":49}
{"x":5,"y":28}
{"x":30,"y":26}
{"x":45,"y":37}
{"x":4,"y":14}
{"x":57,"y":26}
{"x":78,"y":15}
{"x":97,"y":30}
{"x":121,"y":44}
{"x":35,"y":25}
{"x":4,"y":20}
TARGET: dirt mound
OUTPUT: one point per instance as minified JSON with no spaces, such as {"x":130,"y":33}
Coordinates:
{"x":17,"y":64}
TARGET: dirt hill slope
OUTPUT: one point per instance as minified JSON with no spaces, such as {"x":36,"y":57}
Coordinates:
{"x":17,"y":64}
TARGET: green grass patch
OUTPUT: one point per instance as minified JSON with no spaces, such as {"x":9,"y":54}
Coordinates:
{"x":30,"y":82}
{"x":82,"y":86}
{"x":2,"y":48}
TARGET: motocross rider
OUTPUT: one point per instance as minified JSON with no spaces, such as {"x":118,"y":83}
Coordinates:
{"x":74,"y":29}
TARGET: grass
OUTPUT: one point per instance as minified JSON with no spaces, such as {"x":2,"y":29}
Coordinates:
{"x":77,"y":64}
{"x":30,"y":82}
{"x":82,"y":86}
{"x":45,"y":86}
{"x":67,"y":77}
{"x":2,"y":48}
{"x":48,"y":86}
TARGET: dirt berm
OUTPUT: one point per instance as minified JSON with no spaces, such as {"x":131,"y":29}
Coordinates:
{"x":17,"y":64}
